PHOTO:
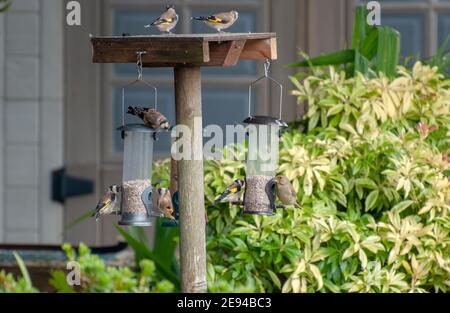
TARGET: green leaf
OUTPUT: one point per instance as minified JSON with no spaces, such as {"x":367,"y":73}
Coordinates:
{"x":82,"y":218}
{"x":366,"y":183}
{"x":274,"y":278}
{"x":58,"y":281}
{"x":23,"y":270}
{"x":334,"y":58}
{"x":388,"y":50}
{"x":313,"y":120}
{"x":360,"y":26}
{"x":316,"y":273}
{"x":371,"y":199}
{"x":165,"y":244}
{"x":160,"y":264}
{"x":6,"y":6}
{"x":400,"y":207}
{"x":369,"y":45}
{"x":361,"y":63}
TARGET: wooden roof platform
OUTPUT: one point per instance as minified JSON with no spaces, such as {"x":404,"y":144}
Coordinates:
{"x":223,"y":49}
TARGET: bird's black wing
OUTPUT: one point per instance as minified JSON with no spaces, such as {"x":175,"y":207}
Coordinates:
{"x":233,"y":188}
{"x":218,"y":19}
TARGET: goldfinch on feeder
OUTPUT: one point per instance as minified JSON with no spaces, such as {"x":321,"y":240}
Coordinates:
{"x":106,"y":205}
{"x":164,"y":203}
{"x":285,"y":191}
{"x":219,"y":21}
{"x":232,"y":193}
{"x":167,"y":21}
{"x":151,"y":117}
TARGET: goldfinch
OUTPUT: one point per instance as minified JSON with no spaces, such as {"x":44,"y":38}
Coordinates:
{"x":106,"y":205}
{"x":285,"y":191}
{"x":167,"y":21}
{"x":164,"y":203}
{"x":232,"y":193}
{"x":151,"y":117}
{"x":219,"y":21}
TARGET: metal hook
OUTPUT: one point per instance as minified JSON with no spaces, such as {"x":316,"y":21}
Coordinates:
{"x":139,"y":63}
{"x":266,"y":76}
{"x":139,"y":66}
{"x":266,"y":67}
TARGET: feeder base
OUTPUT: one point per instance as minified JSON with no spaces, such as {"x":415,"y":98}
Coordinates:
{"x":259,"y":212}
{"x":128,"y":219}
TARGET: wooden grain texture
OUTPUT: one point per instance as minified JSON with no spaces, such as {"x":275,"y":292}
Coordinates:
{"x":190,"y":182}
{"x":185,"y":50}
{"x":173,"y":176}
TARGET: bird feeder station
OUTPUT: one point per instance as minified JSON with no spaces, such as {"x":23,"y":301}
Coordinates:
{"x":262,"y":157}
{"x":185,"y":53}
{"x":137,"y":190}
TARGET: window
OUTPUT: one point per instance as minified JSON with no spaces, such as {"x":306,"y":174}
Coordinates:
{"x":224,"y":90}
{"x":423,"y":24}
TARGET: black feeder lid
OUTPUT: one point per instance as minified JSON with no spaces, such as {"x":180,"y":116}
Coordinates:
{"x":140,"y":128}
{"x":264,"y":120}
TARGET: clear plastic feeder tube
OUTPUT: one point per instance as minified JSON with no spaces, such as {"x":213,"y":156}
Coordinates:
{"x":137,"y":174}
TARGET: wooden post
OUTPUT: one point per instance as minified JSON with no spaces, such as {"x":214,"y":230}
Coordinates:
{"x":190,"y":182}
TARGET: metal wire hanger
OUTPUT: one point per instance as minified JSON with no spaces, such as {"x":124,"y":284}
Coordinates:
{"x":139,"y":79}
{"x":265,"y":76}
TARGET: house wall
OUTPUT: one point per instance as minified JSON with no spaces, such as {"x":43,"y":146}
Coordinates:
{"x":31,"y":115}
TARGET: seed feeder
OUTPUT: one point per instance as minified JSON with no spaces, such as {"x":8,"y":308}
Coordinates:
{"x":136,"y":203}
{"x":187,"y":54}
{"x":262,"y":157}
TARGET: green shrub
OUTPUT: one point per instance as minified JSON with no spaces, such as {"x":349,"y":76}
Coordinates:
{"x":98,"y":277}
{"x":371,"y":176}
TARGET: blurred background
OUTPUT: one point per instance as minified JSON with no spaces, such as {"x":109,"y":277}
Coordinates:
{"x":59,"y":111}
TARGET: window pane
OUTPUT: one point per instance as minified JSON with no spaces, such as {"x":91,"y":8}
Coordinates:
{"x":444,"y":31}
{"x":443,"y":28}
{"x":245,"y":23}
{"x":411,"y":28}
{"x":225,"y":106}
{"x":132,"y":22}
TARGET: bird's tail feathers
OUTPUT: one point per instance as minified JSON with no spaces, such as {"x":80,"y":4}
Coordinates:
{"x":199,"y":18}
{"x":137,"y":111}
{"x":218,"y":200}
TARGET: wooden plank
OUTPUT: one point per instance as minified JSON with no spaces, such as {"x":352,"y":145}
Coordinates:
{"x":234,"y":52}
{"x":159,"y":50}
{"x":188,"y":104}
{"x":185,"y":50}
{"x":181,"y":37}
{"x":260,"y":50}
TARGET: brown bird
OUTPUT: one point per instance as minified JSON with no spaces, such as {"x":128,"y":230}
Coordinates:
{"x":164,"y":203}
{"x":285,"y":191}
{"x":151,"y":117}
{"x":167,"y":21}
{"x":219,"y":21}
